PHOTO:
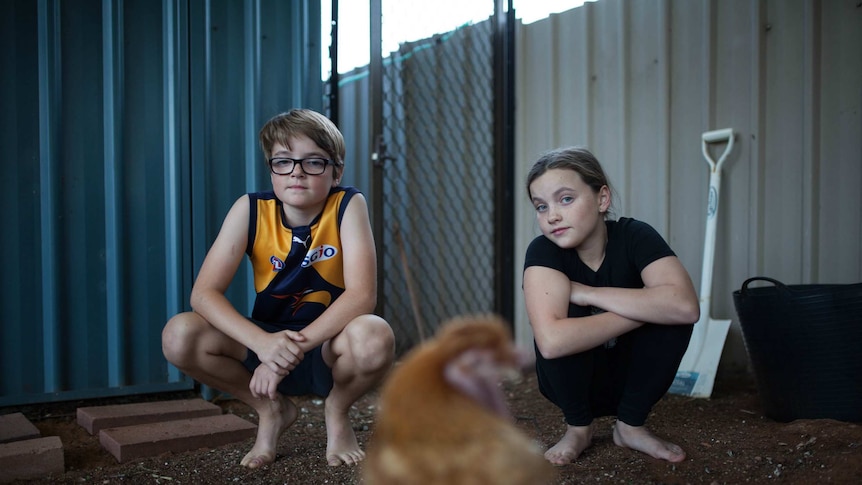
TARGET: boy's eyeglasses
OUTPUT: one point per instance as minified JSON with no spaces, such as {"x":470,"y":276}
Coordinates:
{"x":286,"y":166}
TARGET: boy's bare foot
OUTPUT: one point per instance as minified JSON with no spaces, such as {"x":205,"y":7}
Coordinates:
{"x":641,"y":439}
{"x":571,"y":445}
{"x":341,"y":444}
{"x":274,"y":417}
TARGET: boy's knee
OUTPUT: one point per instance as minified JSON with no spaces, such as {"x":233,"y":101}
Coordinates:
{"x":373,"y":342}
{"x":176,"y":337}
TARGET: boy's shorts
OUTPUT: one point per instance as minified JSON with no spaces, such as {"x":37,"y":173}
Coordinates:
{"x":311,"y":376}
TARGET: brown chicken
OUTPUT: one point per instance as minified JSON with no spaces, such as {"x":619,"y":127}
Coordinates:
{"x":443,"y":417}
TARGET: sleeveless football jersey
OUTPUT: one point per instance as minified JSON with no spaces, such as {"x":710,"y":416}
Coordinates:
{"x":298,"y":271}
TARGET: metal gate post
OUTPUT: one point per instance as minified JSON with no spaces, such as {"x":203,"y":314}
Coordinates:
{"x":504,"y":159}
{"x":375,"y":96}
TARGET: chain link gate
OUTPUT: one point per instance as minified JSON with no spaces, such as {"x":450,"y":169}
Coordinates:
{"x":436,"y":155}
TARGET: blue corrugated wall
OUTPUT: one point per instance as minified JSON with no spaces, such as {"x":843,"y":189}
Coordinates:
{"x":127,"y":129}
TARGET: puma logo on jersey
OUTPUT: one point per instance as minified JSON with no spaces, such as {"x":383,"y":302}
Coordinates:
{"x":304,"y":243}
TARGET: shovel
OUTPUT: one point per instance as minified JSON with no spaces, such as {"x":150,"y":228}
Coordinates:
{"x":696,"y":374}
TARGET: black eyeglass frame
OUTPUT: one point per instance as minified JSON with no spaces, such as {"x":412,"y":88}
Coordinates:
{"x":302,"y":165}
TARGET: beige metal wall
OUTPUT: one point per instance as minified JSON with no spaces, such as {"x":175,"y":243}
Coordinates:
{"x":637,"y":82}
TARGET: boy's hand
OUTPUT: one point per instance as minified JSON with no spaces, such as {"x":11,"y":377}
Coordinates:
{"x":281,"y":351}
{"x":264,"y":382}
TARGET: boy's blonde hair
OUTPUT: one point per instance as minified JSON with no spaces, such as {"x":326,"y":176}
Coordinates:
{"x":323,"y":132}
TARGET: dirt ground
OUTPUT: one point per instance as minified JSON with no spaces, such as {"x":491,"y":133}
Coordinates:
{"x":727,"y":438}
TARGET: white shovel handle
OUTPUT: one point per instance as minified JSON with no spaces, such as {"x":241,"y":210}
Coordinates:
{"x":717,"y":136}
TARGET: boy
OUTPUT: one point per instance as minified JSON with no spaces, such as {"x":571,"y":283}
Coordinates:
{"x":311,"y":330}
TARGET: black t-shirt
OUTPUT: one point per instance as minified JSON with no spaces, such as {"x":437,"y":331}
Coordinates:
{"x":632,"y":246}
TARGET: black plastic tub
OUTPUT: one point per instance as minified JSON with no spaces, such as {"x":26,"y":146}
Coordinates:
{"x":805,"y":347}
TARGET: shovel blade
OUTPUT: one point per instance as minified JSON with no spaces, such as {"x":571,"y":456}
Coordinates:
{"x":696,"y":374}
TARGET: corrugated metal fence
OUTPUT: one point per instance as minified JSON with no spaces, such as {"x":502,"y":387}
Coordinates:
{"x":128,"y":128}
{"x":639,"y":82}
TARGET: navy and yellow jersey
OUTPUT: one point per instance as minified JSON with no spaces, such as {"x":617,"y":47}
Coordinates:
{"x":298,"y":271}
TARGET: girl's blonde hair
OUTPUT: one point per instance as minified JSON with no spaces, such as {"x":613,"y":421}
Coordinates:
{"x":578,"y":159}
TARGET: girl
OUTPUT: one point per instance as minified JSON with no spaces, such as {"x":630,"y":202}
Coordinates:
{"x":610,"y":305}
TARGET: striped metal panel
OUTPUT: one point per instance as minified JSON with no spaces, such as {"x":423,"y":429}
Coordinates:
{"x":638,"y":82}
{"x":128,"y":129}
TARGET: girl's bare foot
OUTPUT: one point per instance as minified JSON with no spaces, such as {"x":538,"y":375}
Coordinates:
{"x":341,"y":444}
{"x":275,"y":416}
{"x":641,"y":439}
{"x":571,"y":445}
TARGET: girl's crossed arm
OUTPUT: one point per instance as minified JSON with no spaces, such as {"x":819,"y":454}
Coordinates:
{"x":547,"y":293}
{"x":668,"y":296}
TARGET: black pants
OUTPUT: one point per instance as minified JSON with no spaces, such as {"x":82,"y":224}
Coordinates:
{"x":624,"y":378}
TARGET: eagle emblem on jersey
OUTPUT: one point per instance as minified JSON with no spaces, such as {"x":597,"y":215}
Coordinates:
{"x":298,"y":300}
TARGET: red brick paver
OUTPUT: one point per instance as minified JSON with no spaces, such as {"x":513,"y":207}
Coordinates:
{"x":138,"y":441}
{"x":127,"y":431}
{"x":96,"y":418}
{"x":31,"y":458}
{"x":16,"y":426}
